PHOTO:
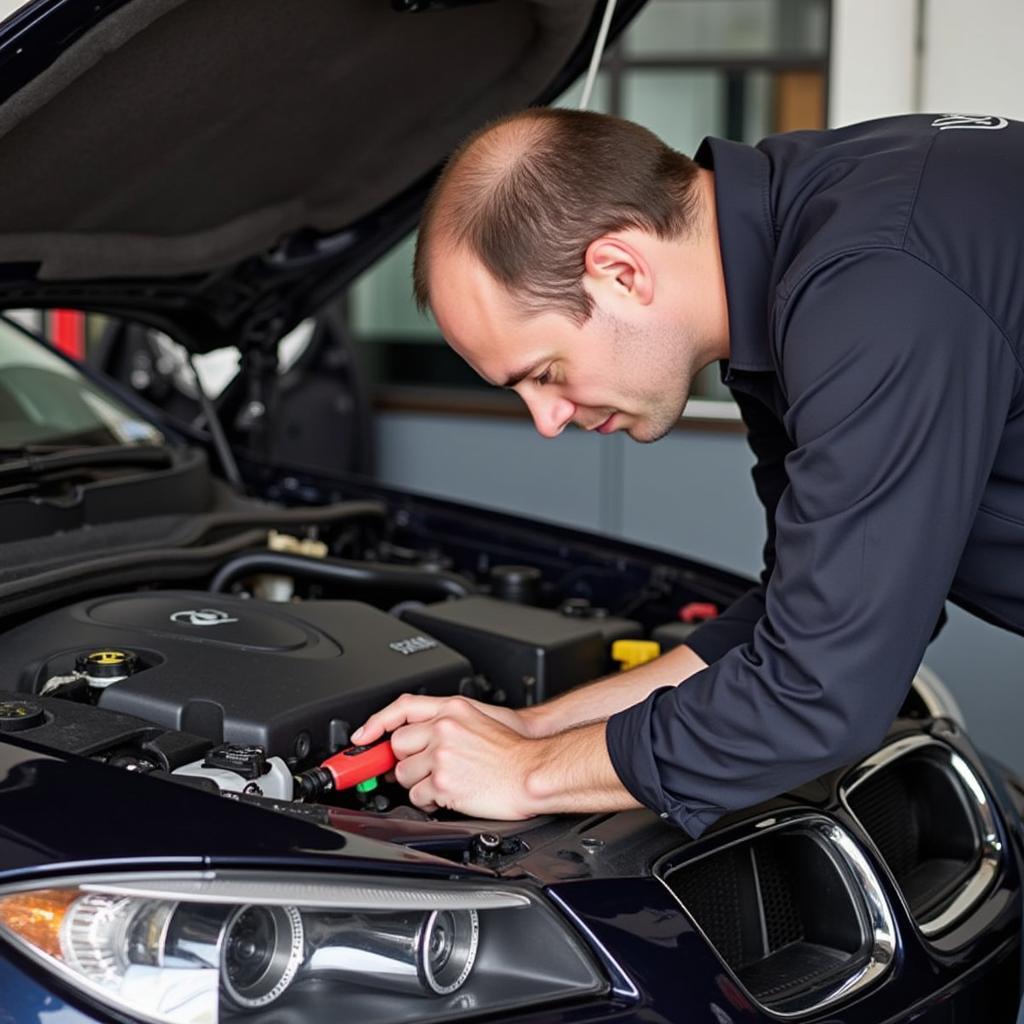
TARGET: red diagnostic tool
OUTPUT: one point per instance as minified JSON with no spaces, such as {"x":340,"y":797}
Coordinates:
{"x":353,"y":765}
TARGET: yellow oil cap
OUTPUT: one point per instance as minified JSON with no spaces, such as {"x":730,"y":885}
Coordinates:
{"x":630,"y":653}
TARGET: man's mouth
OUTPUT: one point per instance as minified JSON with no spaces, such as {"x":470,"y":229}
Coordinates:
{"x":606,"y":427}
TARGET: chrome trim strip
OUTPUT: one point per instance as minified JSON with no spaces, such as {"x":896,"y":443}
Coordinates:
{"x":312,"y":892}
{"x":270,"y":888}
{"x":877,"y":922}
{"x":883,"y":757}
{"x":979,"y":807}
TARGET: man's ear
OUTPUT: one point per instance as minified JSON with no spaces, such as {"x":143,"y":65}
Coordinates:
{"x":613,"y":262}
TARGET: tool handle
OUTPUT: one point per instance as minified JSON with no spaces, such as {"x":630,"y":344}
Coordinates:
{"x":353,"y":765}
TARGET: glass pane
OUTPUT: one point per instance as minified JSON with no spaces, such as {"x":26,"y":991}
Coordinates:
{"x":758,"y":104}
{"x":45,"y":400}
{"x":681,"y":107}
{"x":381,"y":304}
{"x":697,"y":28}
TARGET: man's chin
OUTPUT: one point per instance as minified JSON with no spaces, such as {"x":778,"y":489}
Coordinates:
{"x":647,"y":433}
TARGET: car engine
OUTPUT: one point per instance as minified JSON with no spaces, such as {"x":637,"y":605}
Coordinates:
{"x":234,"y":693}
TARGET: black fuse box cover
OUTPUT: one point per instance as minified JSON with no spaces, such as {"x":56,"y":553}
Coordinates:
{"x":288,"y":678}
{"x":530,"y":653}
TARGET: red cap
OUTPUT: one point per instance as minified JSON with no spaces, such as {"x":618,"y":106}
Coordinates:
{"x":698,"y":611}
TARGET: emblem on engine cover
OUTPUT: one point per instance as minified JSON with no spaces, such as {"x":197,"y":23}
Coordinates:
{"x":202,"y":617}
{"x":413,"y":645}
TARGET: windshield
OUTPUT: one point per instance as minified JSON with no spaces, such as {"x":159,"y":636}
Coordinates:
{"x":46,"y":401}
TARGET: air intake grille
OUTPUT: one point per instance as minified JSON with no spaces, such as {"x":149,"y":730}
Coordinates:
{"x":782,"y":912}
{"x":914,"y":801}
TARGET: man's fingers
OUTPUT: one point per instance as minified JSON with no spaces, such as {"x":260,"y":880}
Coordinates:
{"x":413,"y":770}
{"x":422,"y":796}
{"x":410,"y":739}
{"x":409,"y":707}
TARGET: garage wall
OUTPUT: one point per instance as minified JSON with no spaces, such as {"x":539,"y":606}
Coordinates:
{"x":896,"y":56}
{"x":689,"y":493}
{"x":971,"y":57}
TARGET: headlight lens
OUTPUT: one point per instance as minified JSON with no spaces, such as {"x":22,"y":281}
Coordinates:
{"x":190,"y":949}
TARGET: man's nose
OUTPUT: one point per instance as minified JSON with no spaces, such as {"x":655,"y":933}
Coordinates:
{"x":551,"y":413}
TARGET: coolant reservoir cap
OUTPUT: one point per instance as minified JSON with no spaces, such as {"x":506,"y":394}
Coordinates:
{"x":109,"y":663}
{"x":16,"y":715}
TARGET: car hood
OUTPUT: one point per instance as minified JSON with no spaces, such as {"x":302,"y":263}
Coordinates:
{"x":184,"y":828}
{"x":220,"y":168}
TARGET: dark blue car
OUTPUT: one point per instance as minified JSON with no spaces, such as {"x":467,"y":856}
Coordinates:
{"x":194,"y":619}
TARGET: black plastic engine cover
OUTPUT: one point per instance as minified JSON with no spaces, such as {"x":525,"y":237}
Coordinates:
{"x":290,"y":678}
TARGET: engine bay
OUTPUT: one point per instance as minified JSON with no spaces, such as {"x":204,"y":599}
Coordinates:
{"x":250,"y":686}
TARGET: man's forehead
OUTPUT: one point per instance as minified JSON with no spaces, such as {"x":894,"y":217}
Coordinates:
{"x":477,"y":317}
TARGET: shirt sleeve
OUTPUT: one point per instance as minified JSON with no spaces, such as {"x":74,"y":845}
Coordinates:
{"x":770,"y":444}
{"x":898,"y":384}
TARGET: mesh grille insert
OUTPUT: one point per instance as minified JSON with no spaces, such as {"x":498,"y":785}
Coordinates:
{"x":779,"y":911}
{"x":916,"y":813}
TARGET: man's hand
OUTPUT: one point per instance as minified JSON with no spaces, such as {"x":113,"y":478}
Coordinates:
{"x":411,"y":707}
{"x":465,"y":760}
{"x":453,"y":753}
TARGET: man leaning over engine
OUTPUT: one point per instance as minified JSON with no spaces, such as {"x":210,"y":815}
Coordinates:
{"x":860,"y":289}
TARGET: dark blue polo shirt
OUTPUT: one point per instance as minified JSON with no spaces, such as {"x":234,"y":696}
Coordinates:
{"x":875,"y":283}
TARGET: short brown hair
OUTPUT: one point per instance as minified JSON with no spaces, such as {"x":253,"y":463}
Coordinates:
{"x":527,"y":194}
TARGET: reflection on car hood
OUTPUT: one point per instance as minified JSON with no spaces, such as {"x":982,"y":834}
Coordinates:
{"x":206,"y":828}
{"x":225,"y":165}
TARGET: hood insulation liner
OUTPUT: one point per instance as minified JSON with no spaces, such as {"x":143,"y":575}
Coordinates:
{"x":182,"y":135}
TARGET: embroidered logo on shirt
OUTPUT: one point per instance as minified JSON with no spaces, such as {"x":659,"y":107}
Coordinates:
{"x":987,"y":121}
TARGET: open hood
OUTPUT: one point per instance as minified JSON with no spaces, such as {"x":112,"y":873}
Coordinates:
{"x":220,"y":168}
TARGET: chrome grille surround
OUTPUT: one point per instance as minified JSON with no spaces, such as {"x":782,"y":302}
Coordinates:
{"x":989,"y":847}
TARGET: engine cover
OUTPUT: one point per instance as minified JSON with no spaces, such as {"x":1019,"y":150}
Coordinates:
{"x":292,"y":678}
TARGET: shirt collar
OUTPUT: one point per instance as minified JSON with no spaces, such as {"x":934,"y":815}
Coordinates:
{"x":747,"y":239}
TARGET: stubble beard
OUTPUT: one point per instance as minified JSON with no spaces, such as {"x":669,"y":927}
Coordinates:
{"x":663,"y":406}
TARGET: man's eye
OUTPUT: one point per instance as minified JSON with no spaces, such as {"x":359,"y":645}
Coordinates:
{"x":544,"y":377}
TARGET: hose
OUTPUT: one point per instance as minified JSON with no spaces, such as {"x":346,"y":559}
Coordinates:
{"x":338,"y":570}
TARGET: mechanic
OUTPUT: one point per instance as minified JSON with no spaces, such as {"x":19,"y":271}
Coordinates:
{"x":861,"y":289}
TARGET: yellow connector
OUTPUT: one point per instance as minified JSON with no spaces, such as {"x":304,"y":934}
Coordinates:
{"x":630,"y":653}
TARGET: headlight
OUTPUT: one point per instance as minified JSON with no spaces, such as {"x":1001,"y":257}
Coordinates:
{"x":189,"y":949}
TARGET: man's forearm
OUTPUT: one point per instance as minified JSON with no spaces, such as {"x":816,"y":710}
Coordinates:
{"x":597,"y":701}
{"x":572,"y":772}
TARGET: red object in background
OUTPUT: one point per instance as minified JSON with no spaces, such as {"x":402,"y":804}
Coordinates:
{"x":698,"y":611}
{"x":357,"y":764}
{"x":67,"y":332}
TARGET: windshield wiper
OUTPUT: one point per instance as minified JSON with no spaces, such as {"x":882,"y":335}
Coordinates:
{"x":28,"y":464}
